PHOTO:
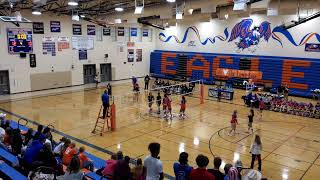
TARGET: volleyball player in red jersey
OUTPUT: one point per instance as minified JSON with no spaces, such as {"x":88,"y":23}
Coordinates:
{"x":165,"y":104}
{"x":233,"y":122}
{"x":169,"y":107}
{"x":261,"y":107}
{"x":182,"y":107}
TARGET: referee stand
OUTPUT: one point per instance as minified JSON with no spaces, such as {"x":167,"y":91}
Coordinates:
{"x":99,"y":126}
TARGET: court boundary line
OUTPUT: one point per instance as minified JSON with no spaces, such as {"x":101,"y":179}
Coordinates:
{"x":98,"y":148}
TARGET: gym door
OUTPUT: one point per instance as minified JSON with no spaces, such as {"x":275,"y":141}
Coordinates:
{"x":105,"y":72}
{"x":89,"y":72}
{"x":4,"y":83}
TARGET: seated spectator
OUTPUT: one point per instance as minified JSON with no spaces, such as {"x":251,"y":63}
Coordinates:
{"x":64,"y":147}
{"x":28,"y":137}
{"x":7,"y":136}
{"x":122,"y":169}
{"x":39,"y":131}
{"x":2,"y":119}
{"x":47,"y":133}
{"x":2,"y":145}
{"x":215,"y":171}
{"x":2,"y":132}
{"x":201,"y":172}
{"x":182,"y":169}
{"x":57,"y":150}
{"x":73,"y":171}
{"x":69,"y":153}
{"x":33,"y":150}
{"x":138,"y":172}
{"x":238,"y":166}
{"x":84,"y":160}
{"x":252,"y":174}
{"x":16,"y":142}
{"x":153,"y":164}
{"x":45,"y":157}
{"x":108,"y":170}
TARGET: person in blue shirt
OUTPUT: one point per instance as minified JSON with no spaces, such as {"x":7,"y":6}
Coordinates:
{"x":105,"y":103}
{"x":182,"y":169}
{"x":33,"y":150}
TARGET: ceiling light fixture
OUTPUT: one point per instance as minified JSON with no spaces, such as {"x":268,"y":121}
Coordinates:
{"x":171,"y":1}
{"x":179,"y":16}
{"x":119,"y":9}
{"x":117,"y":21}
{"x":36,"y":12}
{"x":82,"y":15}
{"x":73,"y":3}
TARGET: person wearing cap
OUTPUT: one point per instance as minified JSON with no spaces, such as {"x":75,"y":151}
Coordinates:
{"x":215,"y":171}
{"x":33,"y":150}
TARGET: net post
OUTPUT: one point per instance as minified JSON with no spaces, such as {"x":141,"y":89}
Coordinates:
{"x":113,"y":116}
{"x":201,"y":92}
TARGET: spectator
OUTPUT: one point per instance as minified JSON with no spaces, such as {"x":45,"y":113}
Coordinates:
{"x":2,"y":145}
{"x":226,"y":170}
{"x":119,"y":155}
{"x":238,"y":165}
{"x":2,"y":119}
{"x":65,"y":146}
{"x":69,"y":153}
{"x":39,"y":129}
{"x":215,"y":171}
{"x":138,"y":172}
{"x":255,"y":151}
{"x":73,"y":171}
{"x":47,"y":133}
{"x":232,"y":174}
{"x":45,"y":157}
{"x":33,"y":150}
{"x":153,"y":164}
{"x":57,"y":150}
{"x":28,"y":137}
{"x":2,"y":132}
{"x":16,"y":142}
{"x":84,"y":160}
{"x":122,"y":169}
{"x":252,"y":175}
{"x":182,"y":169}
{"x":201,"y":172}
{"x":109,"y":167}
{"x":7,"y":136}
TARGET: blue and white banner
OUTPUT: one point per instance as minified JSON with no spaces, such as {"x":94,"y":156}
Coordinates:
{"x":55,"y":26}
{"x":76,"y":29}
{"x":145,"y":32}
{"x":91,"y":30}
{"x":312,"y":47}
{"x":133,"y":32}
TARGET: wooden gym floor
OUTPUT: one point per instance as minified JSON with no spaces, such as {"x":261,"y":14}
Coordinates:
{"x":291,"y":143}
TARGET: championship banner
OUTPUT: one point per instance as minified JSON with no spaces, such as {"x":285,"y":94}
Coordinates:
{"x":91,"y":30}
{"x":48,"y":46}
{"x":55,"y":26}
{"x":63,"y":43}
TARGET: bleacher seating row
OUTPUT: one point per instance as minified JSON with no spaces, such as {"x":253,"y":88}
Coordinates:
{"x":8,"y":161}
{"x":300,"y":74}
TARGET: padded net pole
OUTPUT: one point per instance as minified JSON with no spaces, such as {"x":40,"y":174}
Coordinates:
{"x":113,"y":116}
{"x":201,"y":92}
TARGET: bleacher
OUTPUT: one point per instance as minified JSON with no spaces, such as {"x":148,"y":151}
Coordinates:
{"x":9,"y":163}
{"x":302,"y":73}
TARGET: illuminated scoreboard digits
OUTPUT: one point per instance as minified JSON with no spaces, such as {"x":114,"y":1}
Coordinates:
{"x":19,"y":40}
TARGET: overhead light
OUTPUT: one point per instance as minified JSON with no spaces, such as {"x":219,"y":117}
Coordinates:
{"x":36,"y":12}
{"x":73,"y":3}
{"x":82,"y":15}
{"x":240,"y":5}
{"x":179,"y":16}
{"x":138,"y":10}
{"x":190,"y":11}
{"x":171,"y":1}
{"x":117,"y":21}
{"x":119,"y":9}
{"x":226,"y":16}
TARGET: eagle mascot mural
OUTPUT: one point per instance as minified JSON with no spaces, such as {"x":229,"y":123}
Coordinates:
{"x":249,"y":37}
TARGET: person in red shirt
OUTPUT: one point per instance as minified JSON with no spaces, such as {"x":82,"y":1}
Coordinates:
{"x":69,"y":153}
{"x":201,"y":172}
{"x":233,"y":122}
{"x":84,"y":160}
{"x":182,"y":107}
{"x":261,"y":107}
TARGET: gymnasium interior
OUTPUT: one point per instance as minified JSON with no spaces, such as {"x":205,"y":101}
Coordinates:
{"x":238,"y":83}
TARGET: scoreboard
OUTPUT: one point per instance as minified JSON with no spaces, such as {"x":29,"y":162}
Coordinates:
{"x":19,"y":40}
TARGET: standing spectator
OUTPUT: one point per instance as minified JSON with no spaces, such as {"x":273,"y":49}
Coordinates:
{"x":69,"y":153}
{"x":153,"y":164}
{"x":109,"y":89}
{"x":182,"y":169}
{"x":96,"y":80}
{"x":232,"y":174}
{"x":255,"y":151}
{"x":119,"y":155}
{"x":215,"y":171}
{"x":201,"y":172}
{"x":73,"y":171}
{"x":226,"y":170}
{"x":146,"y":82}
{"x":105,"y":103}
{"x":122,"y":169}
{"x":84,"y":160}
{"x":138,"y":172}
